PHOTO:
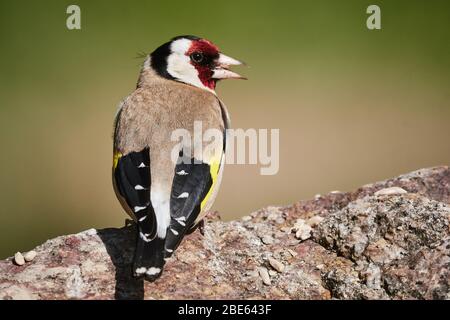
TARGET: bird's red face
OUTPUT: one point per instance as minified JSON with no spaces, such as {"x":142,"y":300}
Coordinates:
{"x":194,"y":61}
{"x":202,"y":55}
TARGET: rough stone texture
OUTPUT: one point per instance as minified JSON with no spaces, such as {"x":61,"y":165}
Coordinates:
{"x":392,"y":245}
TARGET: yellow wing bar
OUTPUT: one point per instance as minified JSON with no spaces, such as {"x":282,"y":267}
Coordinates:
{"x":116,"y":157}
{"x":214,"y":168}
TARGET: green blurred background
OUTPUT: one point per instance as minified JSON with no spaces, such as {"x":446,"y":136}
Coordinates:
{"x":353,"y":105}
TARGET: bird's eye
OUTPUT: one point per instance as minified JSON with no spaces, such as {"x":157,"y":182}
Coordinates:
{"x":197,"y":57}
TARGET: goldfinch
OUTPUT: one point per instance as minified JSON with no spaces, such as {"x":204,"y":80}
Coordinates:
{"x":166,"y":198}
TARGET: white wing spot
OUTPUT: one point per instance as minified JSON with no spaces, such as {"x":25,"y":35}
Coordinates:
{"x":143,"y":218}
{"x":182,"y":173}
{"x":137,"y":208}
{"x":169,"y":250}
{"x":183,"y":195}
{"x":175,"y":232}
{"x":182,"y":218}
{"x":144,"y":237}
{"x":180,"y":221}
{"x":138,"y":187}
{"x":142,"y":165}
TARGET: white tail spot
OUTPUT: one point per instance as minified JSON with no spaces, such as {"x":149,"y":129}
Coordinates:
{"x":180,"y":221}
{"x":137,"y":208}
{"x":183,"y":195}
{"x":144,"y":237}
{"x":182,"y":173}
{"x":142,"y":165}
{"x":143,"y":218}
{"x":152,"y":271}
{"x":175,"y":232}
{"x":139,"y":187}
{"x":141,"y":270}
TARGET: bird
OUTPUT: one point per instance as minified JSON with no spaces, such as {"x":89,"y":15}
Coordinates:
{"x":166,"y":186}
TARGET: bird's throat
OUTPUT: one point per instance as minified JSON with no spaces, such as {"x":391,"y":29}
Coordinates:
{"x":205,"y":75}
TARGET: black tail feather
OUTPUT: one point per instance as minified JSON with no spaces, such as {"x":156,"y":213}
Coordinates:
{"x":149,"y":257}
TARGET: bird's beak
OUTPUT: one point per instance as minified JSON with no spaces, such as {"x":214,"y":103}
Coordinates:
{"x":221,"y":70}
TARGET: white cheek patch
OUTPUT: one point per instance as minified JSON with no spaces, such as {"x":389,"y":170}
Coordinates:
{"x":179,"y":67}
{"x":180,"y":46}
{"x":179,"y":64}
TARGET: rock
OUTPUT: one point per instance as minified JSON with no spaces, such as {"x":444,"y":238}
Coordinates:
{"x":320,"y":266}
{"x":272,"y":273}
{"x":273,"y":213}
{"x":372,"y":276}
{"x":365,"y":246}
{"x":277,"y":265}
{"x":390,"y":191}
{"x":314,"y":221}
{"x":267,"y":239}
{"x":18,"y":259}
{"x":292,"y":252}
{"x":302,"y":230}
{"x":369,"y":228}
{"x":29,"y":256}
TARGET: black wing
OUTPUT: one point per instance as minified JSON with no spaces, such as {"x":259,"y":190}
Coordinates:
{"x":192,"y":182}
{"x":132,"y":178}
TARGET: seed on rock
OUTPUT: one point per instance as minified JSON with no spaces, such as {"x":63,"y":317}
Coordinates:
{"x":272,"y":273}
{"x":254,"y":214}
{"x":272,"y":216}
{"x":390,"y":191}
{"x":246,"y":218}
{"x":252,"y":273}
{"x":18,"y":259}
{"x":264,"y":274}
{"x":314,"y":221}
{"x":292,"y":252}
{"x":29,"y":256}
{"x":277,"y":265}
{"x":279,"y":220}
{"x":267,"y":240}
